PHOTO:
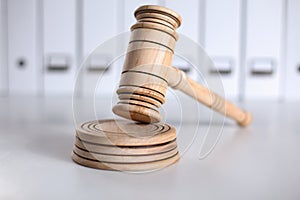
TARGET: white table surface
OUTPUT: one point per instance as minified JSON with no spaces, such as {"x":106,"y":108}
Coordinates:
{"x":259,"y":162}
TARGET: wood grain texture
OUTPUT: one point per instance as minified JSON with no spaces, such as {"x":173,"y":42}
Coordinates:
{"x":148,"y":71}
{"x":211,"y":99}
{"x":124,"y":158}
{"x":161,"y":13}
{"x":130,"y":167}
{"x":131,"y":150}
{"x":125,"y":133}
{"x":125,"y":145}
{"x":157,"y":18}
{"x":152,"y":43}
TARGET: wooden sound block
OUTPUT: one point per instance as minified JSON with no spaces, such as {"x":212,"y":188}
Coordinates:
{"x":125,"y":133}
{"x":124,"y":158}
{"x":131,"y":150}
{"x":139,"y":166}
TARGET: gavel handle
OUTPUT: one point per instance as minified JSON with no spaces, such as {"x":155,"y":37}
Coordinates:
{"x":209,"y":98}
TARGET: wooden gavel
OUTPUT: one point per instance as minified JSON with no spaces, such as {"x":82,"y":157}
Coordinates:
{"x":148,"y":71}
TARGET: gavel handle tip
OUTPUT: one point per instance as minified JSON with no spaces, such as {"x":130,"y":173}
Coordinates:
{"x":246,"y":121}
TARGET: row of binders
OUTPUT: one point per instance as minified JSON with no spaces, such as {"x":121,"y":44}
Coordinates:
{"x":255,"y":45}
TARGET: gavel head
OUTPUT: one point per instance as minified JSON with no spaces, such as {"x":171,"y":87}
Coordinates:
{"x":150,"y":52}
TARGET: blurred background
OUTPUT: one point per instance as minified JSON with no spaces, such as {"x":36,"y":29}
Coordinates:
{"x":254,"y":44}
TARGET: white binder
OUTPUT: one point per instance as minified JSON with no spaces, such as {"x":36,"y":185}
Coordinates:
{"x":59,"y":39}
{"x":24,"y":69}
{"x":3,"y":48}
{"x":100,"y":23}
{"x":263,"y":62}
{"x":292,"y":76}
{"x":222,"y":42}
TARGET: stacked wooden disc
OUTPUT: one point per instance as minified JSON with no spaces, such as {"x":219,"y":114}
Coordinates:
{"x":125,"y":146}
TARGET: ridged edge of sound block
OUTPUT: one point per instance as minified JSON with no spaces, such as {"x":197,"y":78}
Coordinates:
{"x":103,"y":157}
{"x":126,"y":150}
{"x":130,"y":167}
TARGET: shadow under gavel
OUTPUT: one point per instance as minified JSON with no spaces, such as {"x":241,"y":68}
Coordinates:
{"x":148,"y":71}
